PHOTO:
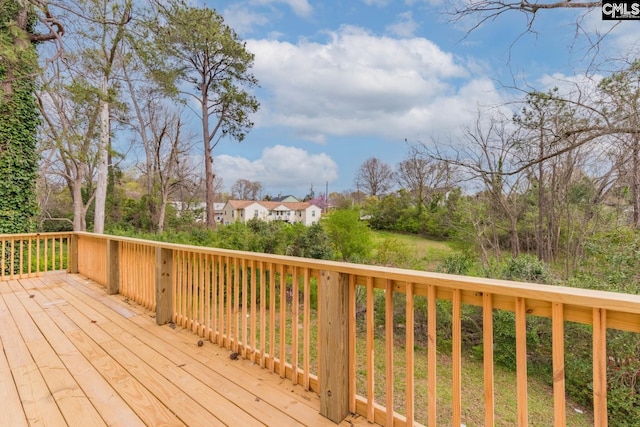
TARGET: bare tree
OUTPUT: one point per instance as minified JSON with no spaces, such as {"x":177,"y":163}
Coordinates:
{"x":621,"y":101}
{"x":486,"y":151}
{"x":374,"y":177}
{"x":480,"y":12}
{"x":101,"y":32}
{"x":68,"y":138}
{"x":547,"y":120}
{"x":488,"y":10}
{"x":160,"y":129}
{"x":423,"y":176}
{"x":244,"y":189}
{"x":169,"y":150}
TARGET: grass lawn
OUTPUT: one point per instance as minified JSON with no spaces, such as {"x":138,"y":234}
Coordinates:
{"x":540,"y":395}
{"x":430,"y":253}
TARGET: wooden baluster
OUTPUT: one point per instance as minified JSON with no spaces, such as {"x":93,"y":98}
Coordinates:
{"x":456,"y":356}
{"x":389,"y":342}
{"x":254,"y":309}
{"x":557,"y":344}
{"x":306,"y":363}
{"x":487,"y":349}
{"x":600,"y":367}
{"x":283,"y":321}
{"x":371,"y":399}
{"x":294,"y":326}
{"x":521,"y":361}
{"x":409,"y":343}
{"x":431,"y":356}
{"x":272,"y":318}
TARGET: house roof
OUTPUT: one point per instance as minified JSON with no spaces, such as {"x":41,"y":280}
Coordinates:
{"x":240,"y":204}
{"x":288,"y":198}
{"x":271,"y":205}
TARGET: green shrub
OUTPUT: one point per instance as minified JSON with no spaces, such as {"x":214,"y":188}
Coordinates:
{"x":523,"y":268}
{"x":394,"y":253}
{"x":457,"y":263}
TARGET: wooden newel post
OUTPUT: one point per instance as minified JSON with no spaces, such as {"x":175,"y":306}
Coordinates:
{"x":164,"y":285}
{"x":72,"y":254}
{"x":334,"y":345}
{"x":113,"y":267}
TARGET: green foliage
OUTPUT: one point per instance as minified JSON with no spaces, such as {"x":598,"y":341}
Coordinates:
{"x":394,"y":253}
{"x":275,"y":237}
{"x":194,"y":45}
{"x":523,"y":268}
{"x":310,"y":242}
{"x":619,"y":248}
{"x":457,"y":263}
{"x":349,"y":236}
{"x":612,"y":263}
{"x":18,"y":123}
{"x":386,"y":211}
{"x":401,"y":213}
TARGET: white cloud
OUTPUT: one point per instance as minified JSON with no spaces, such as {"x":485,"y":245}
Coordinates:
{"x":376,"y":2}
{"x":299,"y":7}
{"x":279,"y":167}
{"x":246,"y":17}
{"x":360,"y":84}
{"x":242,"y":19}
{"x":404,"y":26}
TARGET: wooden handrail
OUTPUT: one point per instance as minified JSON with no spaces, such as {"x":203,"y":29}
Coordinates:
{"x":29,"y":255}
{"x":253,"y":305}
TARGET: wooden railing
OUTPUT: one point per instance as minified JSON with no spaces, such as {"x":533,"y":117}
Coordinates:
{"x":316,"y":322}
{"x":28,"y":255}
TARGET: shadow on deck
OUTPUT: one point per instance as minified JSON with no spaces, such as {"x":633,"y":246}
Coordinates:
{"x":73,"y":355}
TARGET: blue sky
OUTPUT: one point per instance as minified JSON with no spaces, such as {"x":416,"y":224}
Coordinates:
{"x":343,"y":81}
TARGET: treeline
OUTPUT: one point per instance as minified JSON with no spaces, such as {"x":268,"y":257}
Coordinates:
{"x":542,"y":180}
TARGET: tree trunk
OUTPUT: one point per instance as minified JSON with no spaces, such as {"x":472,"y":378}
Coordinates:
{"x":515,"y":239}
{"x":102,"y":167}
{"x":541,"y":202}
{"x":162,"y":213}
{"x":635,"y":181}
{"x":79,"y":222}
{"x":208,"y":159}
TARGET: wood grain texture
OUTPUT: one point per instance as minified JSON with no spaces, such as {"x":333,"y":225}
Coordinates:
{"x":70,"y":358}
{"x":334,"y":339}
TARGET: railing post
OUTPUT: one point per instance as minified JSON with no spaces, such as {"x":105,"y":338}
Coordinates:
{"x":164,"y":285}
{"x":113,"y":267}
{"x":334,"y":345}
{"x":72,"y":254}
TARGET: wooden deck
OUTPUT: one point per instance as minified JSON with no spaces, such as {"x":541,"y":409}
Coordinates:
{"x":72,"y":355}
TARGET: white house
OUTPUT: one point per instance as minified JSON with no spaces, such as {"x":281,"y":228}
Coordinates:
{"x":199,"y":209}
{"x":291,"y":212}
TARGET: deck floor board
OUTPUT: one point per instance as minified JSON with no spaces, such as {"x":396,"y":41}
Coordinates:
{"x":73,"y":355}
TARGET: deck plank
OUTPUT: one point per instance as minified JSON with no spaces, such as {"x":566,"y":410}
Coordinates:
{"x":261,"y":386}
{"x":176,"y":361}
{"x":37,"y":403}
{"x":72,"y":355}
{"x":8,"y":392}
{"x":107,"y":402}
{"x":109,"y":359}
{"x":165,"y":376}
{"x":72,"y":401}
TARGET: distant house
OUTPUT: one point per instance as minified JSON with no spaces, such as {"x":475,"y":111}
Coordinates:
{"x":291,"y":212}
{"x":289,"y":199}
{"x":199,"y":209}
